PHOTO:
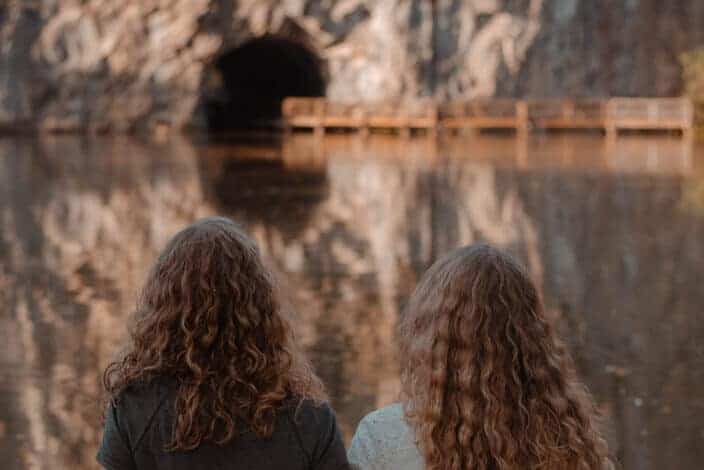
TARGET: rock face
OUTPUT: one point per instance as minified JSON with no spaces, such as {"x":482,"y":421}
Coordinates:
{"x":122,"y":64}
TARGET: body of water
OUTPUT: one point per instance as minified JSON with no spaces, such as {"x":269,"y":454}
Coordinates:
{"x":611,"y":230}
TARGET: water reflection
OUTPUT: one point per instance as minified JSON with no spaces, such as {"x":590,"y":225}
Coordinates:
{"x":611,"y":230}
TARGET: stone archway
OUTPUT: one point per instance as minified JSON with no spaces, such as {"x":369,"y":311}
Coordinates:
{"x":252,"y":80}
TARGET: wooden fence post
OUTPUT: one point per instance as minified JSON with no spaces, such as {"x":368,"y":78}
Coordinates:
{"x":404,"y":128}
{"x":522,"y":118}
{"x":610,"y":118}
{"x":434,"y":120}
{"x":688,"y":119}
{"x":285,"y":113}
{"x":319,"y":111}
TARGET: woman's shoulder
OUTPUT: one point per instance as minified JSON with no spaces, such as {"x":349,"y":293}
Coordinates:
{"x":385,"y":425}
{"x":390,"y":413}
{"x":307,"y":413}
{"x":145,"y":391}
{"x":137,"y":403}
{"x":384,"y":440}
{"x":390,"y":418}
{"x":127,"y":420}
{"x":318,"y":434}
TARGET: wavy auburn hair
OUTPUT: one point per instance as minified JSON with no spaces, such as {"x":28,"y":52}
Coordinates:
{"x":210,"y":319}
{"x":486,"y":385}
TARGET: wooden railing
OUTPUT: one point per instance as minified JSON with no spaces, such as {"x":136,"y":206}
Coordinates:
{"x":484,"y":113}
{"x":698,"y":109}
{"x":647,"y":113}
{"x":567,"y":114}
{"x":610,"y":114}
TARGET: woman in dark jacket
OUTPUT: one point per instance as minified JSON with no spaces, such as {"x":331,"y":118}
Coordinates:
{"x":212,"y":377}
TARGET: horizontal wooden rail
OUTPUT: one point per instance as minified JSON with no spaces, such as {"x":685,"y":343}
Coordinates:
{"x":649,"y":114}
{"x":484,"y":114}
{"x":567,"y":114}
{"x":609,"y":114}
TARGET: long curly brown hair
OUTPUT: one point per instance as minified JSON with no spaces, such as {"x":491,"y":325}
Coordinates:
{"x":209,"y":318}
{"x":486,"y":384}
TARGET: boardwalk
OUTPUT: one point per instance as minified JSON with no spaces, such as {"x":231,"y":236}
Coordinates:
{"x":610,"y":115}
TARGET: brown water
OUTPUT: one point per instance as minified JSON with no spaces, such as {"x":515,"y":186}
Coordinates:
{"x":612,"y":231}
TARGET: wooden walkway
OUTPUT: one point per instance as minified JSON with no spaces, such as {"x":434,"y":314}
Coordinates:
{"x":610,"y":115}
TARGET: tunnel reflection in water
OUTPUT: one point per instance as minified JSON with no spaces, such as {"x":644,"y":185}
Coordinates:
{"x":611,"y":231}
{"x":252,"y":80}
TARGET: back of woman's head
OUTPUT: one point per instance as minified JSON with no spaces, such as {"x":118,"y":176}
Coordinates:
{"x":486,"y":385}
{"x":210,"y":319}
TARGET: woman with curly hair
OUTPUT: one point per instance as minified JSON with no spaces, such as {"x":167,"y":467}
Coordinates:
{"x":485,"y":383}
{"x":212,"y":377}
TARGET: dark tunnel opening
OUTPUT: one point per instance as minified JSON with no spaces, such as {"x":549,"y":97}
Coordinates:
{"x":253,"y":79}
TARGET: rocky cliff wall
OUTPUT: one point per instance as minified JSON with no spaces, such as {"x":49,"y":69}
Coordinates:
{"x":122,"y":64}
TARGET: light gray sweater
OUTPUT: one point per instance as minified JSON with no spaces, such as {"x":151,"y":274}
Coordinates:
{"x":384,"y":441}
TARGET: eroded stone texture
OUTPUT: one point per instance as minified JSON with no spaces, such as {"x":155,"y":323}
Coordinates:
{"x":122,"y":64}
{"x":598,"y":47}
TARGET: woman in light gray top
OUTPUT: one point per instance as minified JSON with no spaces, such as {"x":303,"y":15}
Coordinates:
{"x":486,"y":384}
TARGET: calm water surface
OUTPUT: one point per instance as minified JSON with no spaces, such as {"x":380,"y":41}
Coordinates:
{"x":613,"y":232}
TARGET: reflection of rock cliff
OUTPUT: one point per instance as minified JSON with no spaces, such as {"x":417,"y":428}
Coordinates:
{"x":617,"y":253}
{"x":621,"y":269}
{"x":126,"y":63}
{"x":80,"y":222}
{"x":363,"y":247}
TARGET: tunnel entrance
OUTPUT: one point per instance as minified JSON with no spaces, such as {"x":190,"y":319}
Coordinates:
{"x":252,"y":80}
